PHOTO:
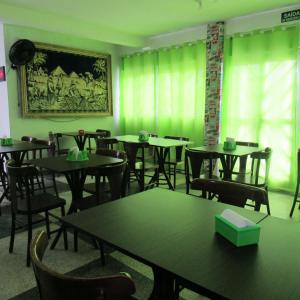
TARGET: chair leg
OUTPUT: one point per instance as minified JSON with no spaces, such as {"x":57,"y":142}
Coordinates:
{"x":174,"y":179}
{"x":295,"y":198}
{"x":29,"y":239}
{"x":75,"y":240}
{"x":47,"y":224}
{"x":64,"y":229}
{"x":12,"y":233}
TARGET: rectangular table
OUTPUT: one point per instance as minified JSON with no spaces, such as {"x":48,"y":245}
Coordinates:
{"x":228,"y":157}
{"x":160,"y":144}
{"x":174,"y":234}
{"x":17,"y":152}
{"x":80,"y":139}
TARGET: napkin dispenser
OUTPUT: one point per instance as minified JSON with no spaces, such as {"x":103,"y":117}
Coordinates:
{"x":229,"y":144}
{"x":74,"y":154}
{"x":6,"y":141}
{"x":237,"y":229}
{"x":143,"y":136}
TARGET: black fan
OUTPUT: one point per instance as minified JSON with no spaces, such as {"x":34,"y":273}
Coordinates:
{"x":21,"y":53}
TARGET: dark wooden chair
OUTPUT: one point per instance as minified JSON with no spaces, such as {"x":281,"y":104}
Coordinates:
{"x":176,"y":164}
{"x":232,"y":193}
{"x":25,"y":201}
{"x":53,"y":285}
{"x":116,"y":176}
{"x":100,"y":133}
{"x":29,"y":139}
{"x":106,"y":143}
{"x":199,"y":164}
{"x":58,"y":144}
{"x":243,"y":159}
{"x":138,"y":166}
{"x":297,"y":185}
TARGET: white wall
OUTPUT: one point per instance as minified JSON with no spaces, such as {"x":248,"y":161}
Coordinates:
{"x":247,"y":23}
{"x":4,"y":112}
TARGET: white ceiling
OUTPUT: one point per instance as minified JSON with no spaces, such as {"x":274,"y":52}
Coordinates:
{"x":127,"y":22}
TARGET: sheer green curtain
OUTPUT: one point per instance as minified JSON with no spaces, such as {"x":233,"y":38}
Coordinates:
{"x":260,"y":95}
{"x":137,"y":96}
{"x":181,"y":91}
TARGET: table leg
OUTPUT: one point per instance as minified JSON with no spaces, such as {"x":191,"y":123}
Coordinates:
{"x":163,"y":286}
{"x":80,"y":141}
{"x":228,"y":162}
{"x":76,"y":181}
{"x":161,"y":157}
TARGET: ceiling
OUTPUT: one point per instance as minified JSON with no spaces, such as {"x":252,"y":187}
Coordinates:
{"x":127,"y":22}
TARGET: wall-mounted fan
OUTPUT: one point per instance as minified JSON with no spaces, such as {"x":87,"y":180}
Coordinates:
{"x":21,"y":53}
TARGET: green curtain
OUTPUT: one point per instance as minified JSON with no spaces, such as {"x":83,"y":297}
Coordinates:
{"x":137,"y":93}
{"x":181,"y":91}
{"x":163,"y":92}
{"x":260,"y":95}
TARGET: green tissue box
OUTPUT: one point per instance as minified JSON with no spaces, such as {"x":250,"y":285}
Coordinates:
{"x":6,"y":141}
{"x":81,"y":156}
{"x":229,"y":145}
{"x":237,"y":236}
{"x":143,"y":136}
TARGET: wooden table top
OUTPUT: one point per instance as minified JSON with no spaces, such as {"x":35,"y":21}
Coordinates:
{"x":153,"y":141}
{"x":20,"y":146}
{"x":60,"y":164}
{"x":75,"y":133}
{"x":239,"y":151}
{"x":176,"y":232}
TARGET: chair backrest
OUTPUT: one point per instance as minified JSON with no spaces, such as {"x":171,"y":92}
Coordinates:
{"x":243,"y":159}
{"x":106,"y":133}
{"x":132,"y":150}
{"x":53,"y":285}
{"x":257,"y":159}
{"x":106,"y":143}
{"x":20,"y":181}
{"x":26,"y":138}
{"x":50,"y":151}
{"x":232,"y":193}
{"x":248,"y":144}
{"x":58,"y":143}
{"x":178,"y":149}
{"x":116,"y":174}
{"x":194,"y":163}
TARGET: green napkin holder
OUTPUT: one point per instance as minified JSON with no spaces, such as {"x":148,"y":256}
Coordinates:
{"x":6,"y":141}
{"x":238,"y":236}
{"x":80,"y":156}
{"x":143,"y":136}
{"x":229,"y":145}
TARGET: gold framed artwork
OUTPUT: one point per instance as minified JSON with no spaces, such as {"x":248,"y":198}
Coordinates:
{"x":66,"y":82}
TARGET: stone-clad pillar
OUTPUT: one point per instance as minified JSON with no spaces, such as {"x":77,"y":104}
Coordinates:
{"x":214,"y":65}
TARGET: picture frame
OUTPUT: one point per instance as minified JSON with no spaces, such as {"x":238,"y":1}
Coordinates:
{"x":62,"y":82}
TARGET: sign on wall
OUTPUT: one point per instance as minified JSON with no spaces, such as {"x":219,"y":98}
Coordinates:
{"x":290,"y":16}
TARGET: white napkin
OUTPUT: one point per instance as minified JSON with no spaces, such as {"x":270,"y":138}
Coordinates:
{"x":229,"y":139}
{"x":236,"y":219}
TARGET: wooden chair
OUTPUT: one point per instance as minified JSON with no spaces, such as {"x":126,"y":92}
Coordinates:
{"x":138,"y":166}
{"x":243,"y":159}
{"x":29,"y":139}
{"x":297,"y":185}
{"x":106,"y":143}
{"x":100,"y":133}
{"x":53,"y":285}
{"x":58,"y":144}
{"x":199,"y":164}
{"x":25,"y":201}
{"x":174,"y":163}
{"x":232,"y":193}
{"x":116,"y":175}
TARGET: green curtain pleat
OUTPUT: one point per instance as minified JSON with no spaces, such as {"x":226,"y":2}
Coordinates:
{"x":137,"y":93}
{"x":181,"y":91}
{"x":260,"y":96}
{"x":163,"y":92}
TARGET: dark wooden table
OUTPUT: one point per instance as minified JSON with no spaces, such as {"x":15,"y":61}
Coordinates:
{"x":80,"y":139}
{"x":160,"y":145}
{"x":75,"y":173}
{"x":174,"y":233}
{"x":17,"y":152}
{"x":228,"y":157}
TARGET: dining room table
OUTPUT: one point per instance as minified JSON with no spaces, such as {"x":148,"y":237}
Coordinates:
{"x":15,"y":151}
{"x":81,"y":136}
{"x":75,"y":173}
{"x":161,"y":146}
{"x":228,"y":157}
{"x":175,"y":235}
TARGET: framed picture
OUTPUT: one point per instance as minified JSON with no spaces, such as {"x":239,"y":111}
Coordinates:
{"x":66,"y":82}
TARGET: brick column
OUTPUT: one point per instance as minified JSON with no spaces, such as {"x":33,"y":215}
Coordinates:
{"x":214,"y":65}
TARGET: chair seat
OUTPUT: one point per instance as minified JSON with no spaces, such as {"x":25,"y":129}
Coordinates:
{"x":40,"y":203}
{"x":248,"y":179}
